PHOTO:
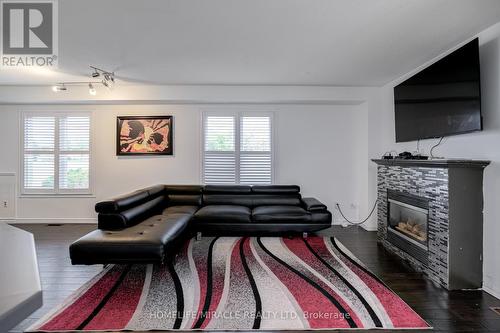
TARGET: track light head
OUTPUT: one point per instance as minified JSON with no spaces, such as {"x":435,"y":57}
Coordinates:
{"x":97,"y":72}
{"x":92,"y":90}
{"x":105,"y":83}
{"x":109,"y":78}
{"x":59,"y":87}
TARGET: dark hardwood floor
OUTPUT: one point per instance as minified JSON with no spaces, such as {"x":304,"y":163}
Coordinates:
{"x":458,"y":311}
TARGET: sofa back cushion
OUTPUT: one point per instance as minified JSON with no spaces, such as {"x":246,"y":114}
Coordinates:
{"x":276,"y":195}
{"x":276,"y":189}
{"x":184,"y":195}
{"x":251,"y":196}
{"x":240,"y":195}
{"x":275,"y":200}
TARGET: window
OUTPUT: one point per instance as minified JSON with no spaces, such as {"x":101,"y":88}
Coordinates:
{"x":237,"y":148}
{"x":56,"y":153}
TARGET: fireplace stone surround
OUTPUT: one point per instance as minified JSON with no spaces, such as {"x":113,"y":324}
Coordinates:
{"x":453,"y":190}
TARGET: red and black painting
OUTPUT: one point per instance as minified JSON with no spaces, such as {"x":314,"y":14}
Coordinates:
{"x":144,"y":135}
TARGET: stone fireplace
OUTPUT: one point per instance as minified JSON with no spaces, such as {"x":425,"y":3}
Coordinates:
{"x":430,"y":215}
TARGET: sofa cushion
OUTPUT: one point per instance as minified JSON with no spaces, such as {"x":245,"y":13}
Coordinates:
{"x":277,"y":214}
{"x":275,"y":199}
{"x":276,"y":189}
{"x":222,"y":214}
{"x":190,"y":210}
{"x":180,"y":195}
{"x":239,"y":195}
{"x":227,"y":189}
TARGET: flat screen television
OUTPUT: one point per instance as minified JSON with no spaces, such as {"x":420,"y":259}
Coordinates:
{"x":443,"y":99}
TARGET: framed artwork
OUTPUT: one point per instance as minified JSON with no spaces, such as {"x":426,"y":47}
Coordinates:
{"x":144,"y":135}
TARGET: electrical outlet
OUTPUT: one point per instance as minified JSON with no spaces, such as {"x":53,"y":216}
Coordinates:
{"x":5,"y":205}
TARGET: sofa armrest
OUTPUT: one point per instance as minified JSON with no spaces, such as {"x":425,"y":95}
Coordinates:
{"x":313,"y":205}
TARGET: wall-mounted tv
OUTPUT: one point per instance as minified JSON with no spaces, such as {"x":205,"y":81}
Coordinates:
{"x":443,"y":99}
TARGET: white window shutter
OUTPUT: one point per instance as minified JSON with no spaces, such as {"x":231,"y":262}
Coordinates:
{"x":38,"y":171}
{"x":39,"y":133}
{"x":74,"y":171}
{"x":220,"y":168}
{"x":255,"y":153}
{"x":255,"y":133}
{"x":219,"y":165}
{"x":39,"y":146}
{"x":237,"y":149}
{"x":255,"y":169}
{"x":56,"y":155}
{"x":74,"y":158}
{"x":74,"y":133}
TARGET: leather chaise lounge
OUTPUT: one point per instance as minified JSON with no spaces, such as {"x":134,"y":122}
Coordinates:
{"x":146,"y":225}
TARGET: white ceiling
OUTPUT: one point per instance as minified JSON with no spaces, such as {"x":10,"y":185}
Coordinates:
{"x":267,"y":42}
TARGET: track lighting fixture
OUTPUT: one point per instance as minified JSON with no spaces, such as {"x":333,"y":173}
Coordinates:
{"x":108,"y":80}
{"x":92,"y":90}
{"x":63,"y":86}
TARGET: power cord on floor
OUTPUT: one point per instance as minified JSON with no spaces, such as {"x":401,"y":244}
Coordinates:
{"x":360,"y":222}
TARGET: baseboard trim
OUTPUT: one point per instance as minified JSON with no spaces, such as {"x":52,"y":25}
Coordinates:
{"x":492,"y":292}
{"x":51,"y":220}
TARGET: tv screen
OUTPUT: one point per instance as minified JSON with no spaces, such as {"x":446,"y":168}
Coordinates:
{"x":444,"y":99}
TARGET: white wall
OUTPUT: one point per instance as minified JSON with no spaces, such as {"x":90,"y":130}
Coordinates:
{"x":322,"y":151}
{"x":317,"y":147}
{"x":480,"y":145}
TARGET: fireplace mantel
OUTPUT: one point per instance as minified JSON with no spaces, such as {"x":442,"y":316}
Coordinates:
{"x":454,"y":190}
{"x":436,"y":163}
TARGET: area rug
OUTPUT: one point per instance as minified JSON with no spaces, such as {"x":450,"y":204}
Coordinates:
{"x":232,"y":283}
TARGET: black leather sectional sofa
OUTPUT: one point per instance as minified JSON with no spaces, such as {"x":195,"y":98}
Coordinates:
{"x":146,"y":225}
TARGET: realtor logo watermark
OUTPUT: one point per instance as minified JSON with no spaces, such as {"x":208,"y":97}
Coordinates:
{"x":29,"y":33}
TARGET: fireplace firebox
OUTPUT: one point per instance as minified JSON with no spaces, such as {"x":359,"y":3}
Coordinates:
{"x":407,"y":223}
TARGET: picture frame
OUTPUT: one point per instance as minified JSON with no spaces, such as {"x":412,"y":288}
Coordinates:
{"x":144,"y":135}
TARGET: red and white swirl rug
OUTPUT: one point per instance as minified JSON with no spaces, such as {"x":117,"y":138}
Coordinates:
{"x":233,"y":283}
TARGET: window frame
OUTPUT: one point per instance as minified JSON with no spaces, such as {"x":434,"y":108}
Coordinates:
{"x":238,"y":114}
{"x":57,"y":152}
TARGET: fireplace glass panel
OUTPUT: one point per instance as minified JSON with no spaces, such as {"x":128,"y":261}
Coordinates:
{"x":409,"y":221}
